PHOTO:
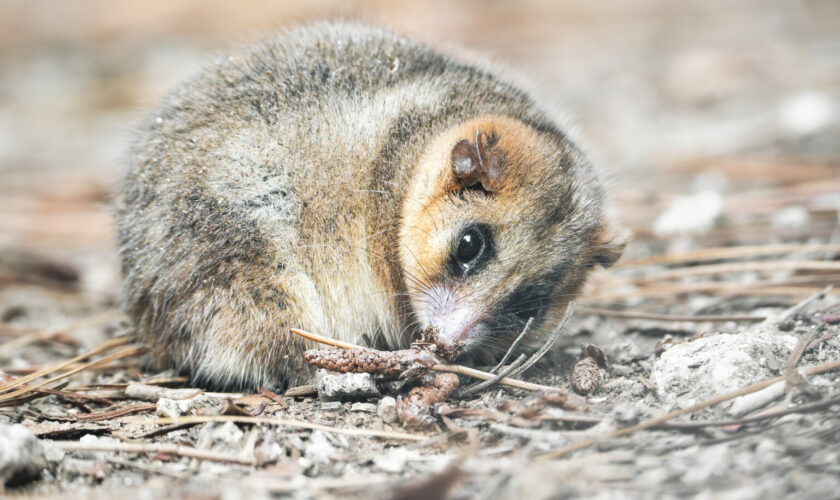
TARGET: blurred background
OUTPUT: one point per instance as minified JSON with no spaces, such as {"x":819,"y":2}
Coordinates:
{"x":718,"y":122}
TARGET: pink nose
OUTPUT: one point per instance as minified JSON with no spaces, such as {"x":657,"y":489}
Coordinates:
{"x":450,"y":342}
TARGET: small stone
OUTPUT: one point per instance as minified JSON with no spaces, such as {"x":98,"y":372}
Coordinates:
{"x":363,"y":407}
{"x":347,"y":386}
{"x":318,"y":449}
{"x":394,"y":460}
{"x":331,"y":406}
{"x":172,"y":408}
{"x":688,"y":214}
{"x":627,"y":413}
{"x":387,"y":409}
{"x":21,"y":455}
{"x":228,"y":433}
{"x":711,"y":366}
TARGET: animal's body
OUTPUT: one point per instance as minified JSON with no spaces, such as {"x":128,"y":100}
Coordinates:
{"x":350,"y":182}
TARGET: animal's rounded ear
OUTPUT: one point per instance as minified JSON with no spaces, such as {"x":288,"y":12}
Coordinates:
{"x":475,"y":163}
{"x":465,"y":162}
{"x":610,"y":246}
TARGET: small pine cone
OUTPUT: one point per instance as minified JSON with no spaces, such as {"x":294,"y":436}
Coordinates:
{"x":586,"y":376}
{"x":387,"y":364}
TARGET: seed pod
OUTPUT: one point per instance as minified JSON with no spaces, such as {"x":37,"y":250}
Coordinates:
{"x":386,"y":364}
{"x":415,"y":410}
{"x":589,"y":372}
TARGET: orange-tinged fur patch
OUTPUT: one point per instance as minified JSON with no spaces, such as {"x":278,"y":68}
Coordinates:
{"x":434,"y":183}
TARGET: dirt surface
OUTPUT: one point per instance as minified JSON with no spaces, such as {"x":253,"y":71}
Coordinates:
{"x":718,"y":125}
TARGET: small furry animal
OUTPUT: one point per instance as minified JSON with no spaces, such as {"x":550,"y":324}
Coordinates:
{"x":357,"y":184}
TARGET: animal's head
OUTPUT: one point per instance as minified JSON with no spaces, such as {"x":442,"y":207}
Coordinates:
{"x":501,"y":223}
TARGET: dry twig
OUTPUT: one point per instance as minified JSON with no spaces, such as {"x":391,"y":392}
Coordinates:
{"x":114,"y":342}
{"x":42,"y":335}
{"x":718,"y":253}
{"x":183,"y":451}
{"x":480,"y":386}
{"x":669,"y":317}
{"x":513,"y":346}
{"x":107,"y":359}
{"x":741,"y":267}
{"x":116,"y":413}
{"x":282,"y":422}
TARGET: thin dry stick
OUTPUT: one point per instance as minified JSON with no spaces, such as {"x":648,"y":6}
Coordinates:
{"x":301,"y":390}
{"x":114,"y":342}
{"x":552,"y":339}
{"x":107,"y":359}
{"x":706,"y":254}
{"x":41,"y":335}
{"x":722,"y":288}
{"x":791,"y":375}
{"x":765,"y":415}
{"x":324,"y":340}
{"x":510,"y":382}
{"x":811,"y":370}
{"x":513,"y":346}
{"x":820,"y":340}
{"x":669,"y":317}
{"x":73,"y":396}
{"x":804,"y":303}
{"x":184,"y":451}
{"x":119,"y":412}
{"x":480,"y":386}
{"x":740,"y":267}
{"x":289,"y":423}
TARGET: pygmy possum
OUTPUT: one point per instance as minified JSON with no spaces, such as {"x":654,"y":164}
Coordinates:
{"x":349,"y":181}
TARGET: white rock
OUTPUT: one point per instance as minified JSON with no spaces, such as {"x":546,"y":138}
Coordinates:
{"x":387,"y":409}
{"x":229,"y":433}
{"x":173,"y":408}
{"x":331,"y":406}
{"x":687,"y":214}
{"x":792,"y":217}
{"x":21,"y":455}
{"x":708,"y":367}
{"x":363,"y":407}
{"x":394,"y":460}
{"x":347,"y":386}
{"x":805,"y":113}
{"x":318,"y":449}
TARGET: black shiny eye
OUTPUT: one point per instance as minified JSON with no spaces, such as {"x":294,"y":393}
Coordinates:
{"x":473,"y":249}
{"x":469,"y":247}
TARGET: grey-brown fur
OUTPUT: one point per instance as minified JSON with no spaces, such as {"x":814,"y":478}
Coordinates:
{"x":247,"y":189}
